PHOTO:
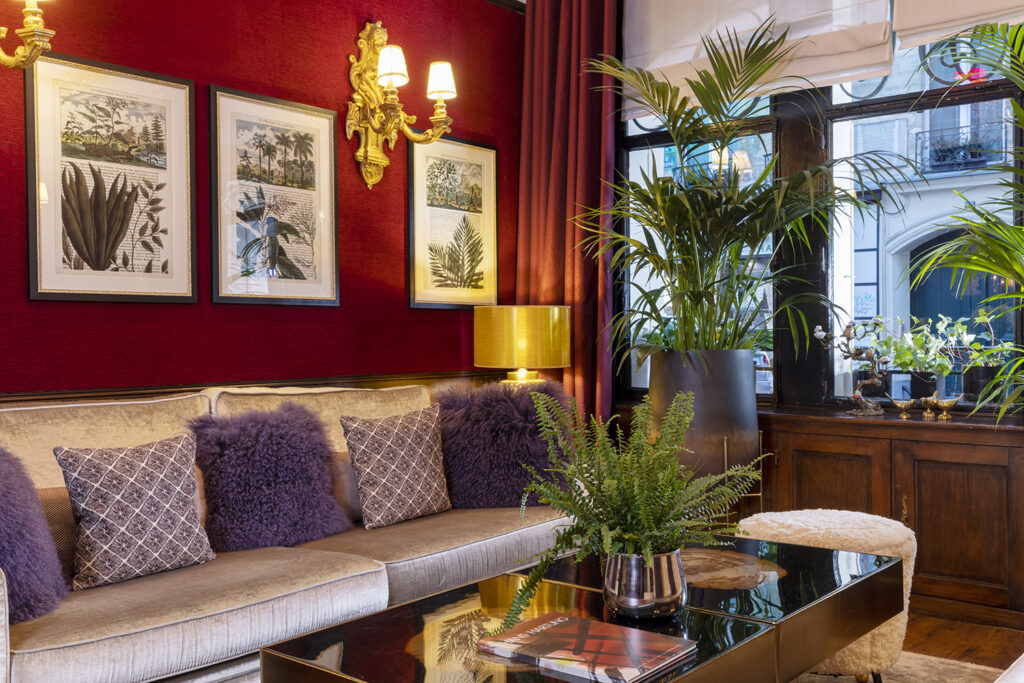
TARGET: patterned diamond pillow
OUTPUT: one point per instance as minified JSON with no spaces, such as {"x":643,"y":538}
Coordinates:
{"x":136,"y":510}
{"x":398,"y":466}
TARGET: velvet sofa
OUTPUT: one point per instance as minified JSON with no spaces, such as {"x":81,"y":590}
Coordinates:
{"x":206,"y":622}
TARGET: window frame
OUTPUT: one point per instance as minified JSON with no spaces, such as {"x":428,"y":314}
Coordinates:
{"x":814,"y":384}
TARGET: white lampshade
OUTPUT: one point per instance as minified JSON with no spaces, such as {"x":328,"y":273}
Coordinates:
{"x":391,"y":71}
{"x":441,"y":81}
{"x":740,"y":161}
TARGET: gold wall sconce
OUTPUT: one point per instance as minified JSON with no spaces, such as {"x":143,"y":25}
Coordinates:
{"x":35,"y":38}
{"x":374,"y":110}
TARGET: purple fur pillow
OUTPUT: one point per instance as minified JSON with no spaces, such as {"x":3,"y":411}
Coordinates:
{"x":267,"y":479}
{"x":28,"y":555}
{"x":488,"y":433}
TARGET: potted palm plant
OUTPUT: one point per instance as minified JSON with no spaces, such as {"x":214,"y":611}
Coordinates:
{"x":628,"y":501}
{"x":698,"y":244}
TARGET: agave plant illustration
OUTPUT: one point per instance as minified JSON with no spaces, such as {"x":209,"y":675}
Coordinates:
{"x":266,"y":249}
{"x":96,"y":222}
{"x":457,"y":264}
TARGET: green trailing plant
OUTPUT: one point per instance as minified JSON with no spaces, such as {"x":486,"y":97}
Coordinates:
{"x":457,"y":263}
{"x":987,"y":240}
{"x":265,"y":252}
{"x":96,"y":222}
{"x":625,"y":495}
{"x":700,"y":240}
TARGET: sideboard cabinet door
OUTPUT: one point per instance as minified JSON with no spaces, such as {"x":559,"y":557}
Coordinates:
{"x":833,"y":472}
{"x":965,"y":504}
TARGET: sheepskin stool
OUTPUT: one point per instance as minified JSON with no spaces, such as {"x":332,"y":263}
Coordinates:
{"x":876,"y":651}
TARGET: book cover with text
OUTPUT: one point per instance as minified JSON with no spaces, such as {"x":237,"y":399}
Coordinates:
{"x":589,"y":649}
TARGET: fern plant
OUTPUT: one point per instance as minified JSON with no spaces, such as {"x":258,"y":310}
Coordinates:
{"x":456,"y":265}
{"x":625,"y":495}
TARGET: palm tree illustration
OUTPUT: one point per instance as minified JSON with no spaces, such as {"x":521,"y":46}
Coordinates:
{"x":303,"y":145}
{"x":264,"y":252}
{"x":271,"y":153}
{"x":245,"y":159}
{"x":284,"y":142}
{"x":259,"y":143}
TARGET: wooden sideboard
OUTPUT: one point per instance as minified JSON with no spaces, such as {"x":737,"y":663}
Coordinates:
{"x":958,"y":485}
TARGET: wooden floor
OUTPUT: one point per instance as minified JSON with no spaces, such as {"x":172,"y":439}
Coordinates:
{"x":986,"y":645}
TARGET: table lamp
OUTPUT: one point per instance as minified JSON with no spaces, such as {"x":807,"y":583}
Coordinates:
{"x":521,"y":337}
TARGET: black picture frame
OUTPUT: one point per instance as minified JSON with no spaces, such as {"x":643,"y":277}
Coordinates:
{"x":328,"y":149}
{"x":39,"y":292}
{"x":415,"y":300}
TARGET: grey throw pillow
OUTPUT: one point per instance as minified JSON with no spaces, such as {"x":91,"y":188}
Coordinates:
{"x":398,"y":466}
{"x":136,"y":510}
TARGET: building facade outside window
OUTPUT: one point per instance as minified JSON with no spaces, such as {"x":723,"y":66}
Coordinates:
{"x":951,"y":146}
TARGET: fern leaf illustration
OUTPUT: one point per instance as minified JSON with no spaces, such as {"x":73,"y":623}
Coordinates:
{"x":456,"y":264}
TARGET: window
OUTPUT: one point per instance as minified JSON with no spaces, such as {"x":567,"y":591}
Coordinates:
{"x":951,"y":136}
{"x":749,"y":156}
{"x":951,"y":145}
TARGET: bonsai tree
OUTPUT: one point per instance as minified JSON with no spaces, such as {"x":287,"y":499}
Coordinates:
{"x":625,"y":495}
{"x":700,"y":238}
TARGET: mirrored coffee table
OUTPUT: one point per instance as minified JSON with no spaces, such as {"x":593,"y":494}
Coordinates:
{"x":759,"y":612}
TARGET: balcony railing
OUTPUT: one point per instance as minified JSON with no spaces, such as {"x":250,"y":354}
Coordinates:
{"x":957,"y":149}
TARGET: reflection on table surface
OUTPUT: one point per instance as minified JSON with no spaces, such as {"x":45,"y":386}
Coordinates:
{"x":756,"y":579}
{"x":434,"y":639}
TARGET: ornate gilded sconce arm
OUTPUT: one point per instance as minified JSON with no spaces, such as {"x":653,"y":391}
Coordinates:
{"x":440,"y":122}
{"x":35,"y":38}
{"x":374,"y":111}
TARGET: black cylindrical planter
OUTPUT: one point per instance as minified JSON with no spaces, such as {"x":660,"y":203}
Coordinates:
{"x":976,"y":378}
{"x":724,"y":404}
{"x":926,"y":385}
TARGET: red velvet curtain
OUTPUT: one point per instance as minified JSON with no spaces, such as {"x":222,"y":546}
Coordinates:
{"x":568,"y":146}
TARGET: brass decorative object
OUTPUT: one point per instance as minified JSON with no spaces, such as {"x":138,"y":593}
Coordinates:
{"x":929,"y":402}
{"x":945,"y":404}
{"x":34,"y":36}
{"x":904,"y":407}
{"x":374,"y":110}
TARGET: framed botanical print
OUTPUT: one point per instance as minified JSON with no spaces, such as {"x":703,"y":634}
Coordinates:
{"x":453,"y":218}
{"x":274,"y":219}
{"x":111,"y":183}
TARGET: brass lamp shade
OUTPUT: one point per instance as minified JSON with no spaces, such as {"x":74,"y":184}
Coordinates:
{"x":521,"y":337}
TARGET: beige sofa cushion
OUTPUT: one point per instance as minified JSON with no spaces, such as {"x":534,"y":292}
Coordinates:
{"x":330,"y":403}
{"x":431,"y":554}
{"x":189,"y":618}
{"x":32,"y":432}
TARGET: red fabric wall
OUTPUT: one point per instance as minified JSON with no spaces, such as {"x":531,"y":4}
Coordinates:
{"x":296,"y":51}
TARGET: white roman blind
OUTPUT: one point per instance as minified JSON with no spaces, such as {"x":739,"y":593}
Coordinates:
{"x":917,"y":22}
{"x":837,"y":40}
